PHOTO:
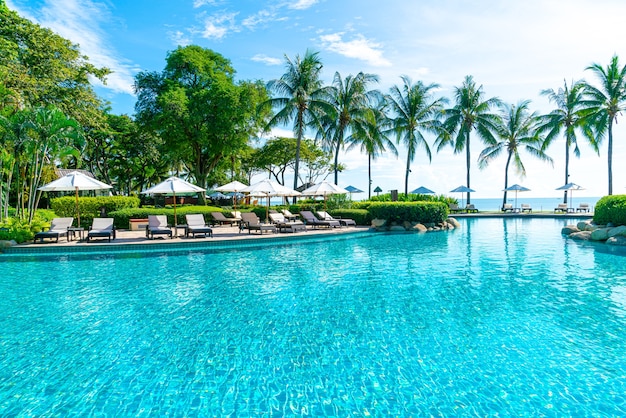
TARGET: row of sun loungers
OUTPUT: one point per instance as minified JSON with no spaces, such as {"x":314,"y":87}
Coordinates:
{"x":59,"y":227}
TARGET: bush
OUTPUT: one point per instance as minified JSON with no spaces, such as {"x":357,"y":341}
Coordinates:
{"x":611,"y":209}
{"x":20,"y":230}
{"x":360,"y":216}
{"x":90,"y":206}
{"x":121,"y":218}
{"x":417,"y":212}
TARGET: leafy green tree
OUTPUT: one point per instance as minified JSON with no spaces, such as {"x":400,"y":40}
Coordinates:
{"x":415,"y":112}
{"x":605,"y":103}
{"x":350,"y":99}
{"x":299,"y":97}
{"x":516,"y":130}
{"x":470,"y":112}
{"x":370,"y":134}
{"x":40,"y":68}
{"x":198,"y":110}
{"x":570,"y":115}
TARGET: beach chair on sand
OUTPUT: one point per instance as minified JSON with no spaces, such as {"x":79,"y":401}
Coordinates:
{"x":583,"y":207}
{"x":223,"y":220}
{"x":325,"y":216}
{"x":101,"y":228}
{"x":284,"y":225}
{"x":157,"y":225}
{"x":310,"y":219}
{"x":251,"y":222}
{"x":58,"y":228}
{"x":526,"y":208}
{"x":197,"y":225}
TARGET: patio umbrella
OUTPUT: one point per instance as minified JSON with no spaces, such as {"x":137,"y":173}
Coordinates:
{"x":217,"y":195}
{"x":422,"y":190}
{"x":570,"y":187}
{"x":74,"y":181}
{"x":352,"y":189}
{"x":377,"y":190}
{"x":516,"y":188}
{"x":462,"y":189}
{"x":234,"y":186}
{"x":171,"y":186}
{"x":268,"y":188}
{"x":323,"y":189}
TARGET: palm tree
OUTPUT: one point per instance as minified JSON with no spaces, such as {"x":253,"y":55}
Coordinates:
{"x":301,"y":97}
{"x":350,"y":100}
{"x":370,"y":134}
{"x":569,"y":116}
{"x":471,"y":111}
{"x":415,"y":111}
{"x":605,"y":103}
{"x":516,"y":129}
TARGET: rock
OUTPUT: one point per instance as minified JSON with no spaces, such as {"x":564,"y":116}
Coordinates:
{"x":582,"y":225}
{"x":453,"y":222}
{"x":420,"y":228}
{"x":600,"y":234}
{"x":581,"y":235}
{"x":376,"y":223}
{"x":397,"y":228}
{"x":569,"y":229}
{"x":617,"y":240}
{"x":407,"y":225}
{"x":7,"y":244}
{"x":618,"y":230}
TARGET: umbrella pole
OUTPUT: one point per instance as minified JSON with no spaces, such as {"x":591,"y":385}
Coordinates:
{"x":77,"y":209}
{"x":175,"y":219}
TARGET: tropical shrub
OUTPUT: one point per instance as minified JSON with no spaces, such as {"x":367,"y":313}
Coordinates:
{"x":91,"y":207}
{"x":611,"y":209}
{"x":360,"y":216}
{"x":121,"y":218}
{"x":20,"y":230}
{"x":418,"y":212}
{"x":411,"y":197}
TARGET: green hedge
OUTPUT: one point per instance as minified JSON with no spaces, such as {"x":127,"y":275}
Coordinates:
{"x":123,"y":217}
{"x":90,"y":206}
{"x":422,"y":212}
{"x":610,"y":209}
{"x":360,"y":216}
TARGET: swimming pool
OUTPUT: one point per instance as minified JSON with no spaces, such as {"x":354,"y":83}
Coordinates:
{"x":503,"y":316}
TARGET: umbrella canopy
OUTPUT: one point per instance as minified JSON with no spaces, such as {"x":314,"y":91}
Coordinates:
{"x":462,"y":189}
{"x":422,"y":190}
{"x":74,"y":181}
{"x":352,"y":189}
{"x":570,"y":187}
{"x":516,"y":188}
{"x":268,"y":188}
{"x":323,"y":189}
{"x":217,"y":195}
{"x":234,"y":186}
{"x":171,"y":186}
{"x":377,"y":190}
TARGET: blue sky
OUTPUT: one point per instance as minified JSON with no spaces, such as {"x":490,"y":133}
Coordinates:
{"x":514,"y":49}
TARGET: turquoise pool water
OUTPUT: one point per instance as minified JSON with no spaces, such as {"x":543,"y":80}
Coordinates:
{"x":502,"y":317}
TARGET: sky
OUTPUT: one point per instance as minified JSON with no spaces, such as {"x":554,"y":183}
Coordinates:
{"x":513,"y":49}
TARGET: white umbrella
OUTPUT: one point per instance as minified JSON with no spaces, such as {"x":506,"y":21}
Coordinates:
{"x":516,"y":188}
{"x":233,"y":186}
{"x":323,"y":189}
{"x":570,"y":187}
{"x":267,"y":188}
{"x":75,"y":181}
{"x":171,"y":186}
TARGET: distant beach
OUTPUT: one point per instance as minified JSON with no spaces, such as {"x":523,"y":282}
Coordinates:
{"x":537,"y":203}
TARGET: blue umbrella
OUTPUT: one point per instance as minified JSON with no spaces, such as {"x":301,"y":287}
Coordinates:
{"x":516,"y":188}
{"x":352,"y":189}
{"x":422,"y":190}
{"x":218,"y":195}
{"x":462,"y":189}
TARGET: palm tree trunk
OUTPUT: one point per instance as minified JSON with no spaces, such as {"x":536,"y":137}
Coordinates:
{"x":467,"y":163}
{"x":337,"y":148}
{"x":609,"y":153}
{"x":297,"y":164}
{"x":406,"y":176}
{"x":369,"y":176}
{"x":506,"y":178}
{"x":566,"y":168}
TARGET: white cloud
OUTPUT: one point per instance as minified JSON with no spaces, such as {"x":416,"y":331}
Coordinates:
{"x":267,"y":60}
{"x":179,"y":38}
{"x":359,"y":48}
{"x":302,"y":4}
{"x":200,"y":3}
{"x":259,"y":18}
{"x":217,"y":26}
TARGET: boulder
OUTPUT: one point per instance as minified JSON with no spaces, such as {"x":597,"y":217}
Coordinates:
{"x":397,"y":228}
{"x":377,"y":223}
{"x":600,"y":234}
{"x":569,"y":229}
{"x":453,"y":222}
{"x":618,"y":230}
{"x":581,"y":235}
{"x":617,"y":240}
{"x":7,"y":244}
{"x":582,"y":225}
{"x":420,"y":228}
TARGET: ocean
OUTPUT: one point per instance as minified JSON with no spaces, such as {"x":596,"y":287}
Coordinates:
{"x":537,"y":203}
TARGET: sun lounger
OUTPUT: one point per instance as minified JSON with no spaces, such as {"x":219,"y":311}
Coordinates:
{"x":526,"y":208}
{"x":583,"y":207}
{"x":470,"y":208}
{"x":157,"y":225}
{"x":101,"y":228}
{"x":310,"y":219}
{"x":562,"y":207}
{"x":289,"y":216}
{"x":507,"y":207}
{"x":197,"y":225}
{"x":284,"y":225}
{"x":251,"y":222}
{"x":58,"y":228}
{"x":454,"y":208}
{"x":223,"y":220}
{"x":325,"y":216}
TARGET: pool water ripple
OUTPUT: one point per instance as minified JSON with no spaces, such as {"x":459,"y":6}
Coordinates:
{"x":501,"y":317}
